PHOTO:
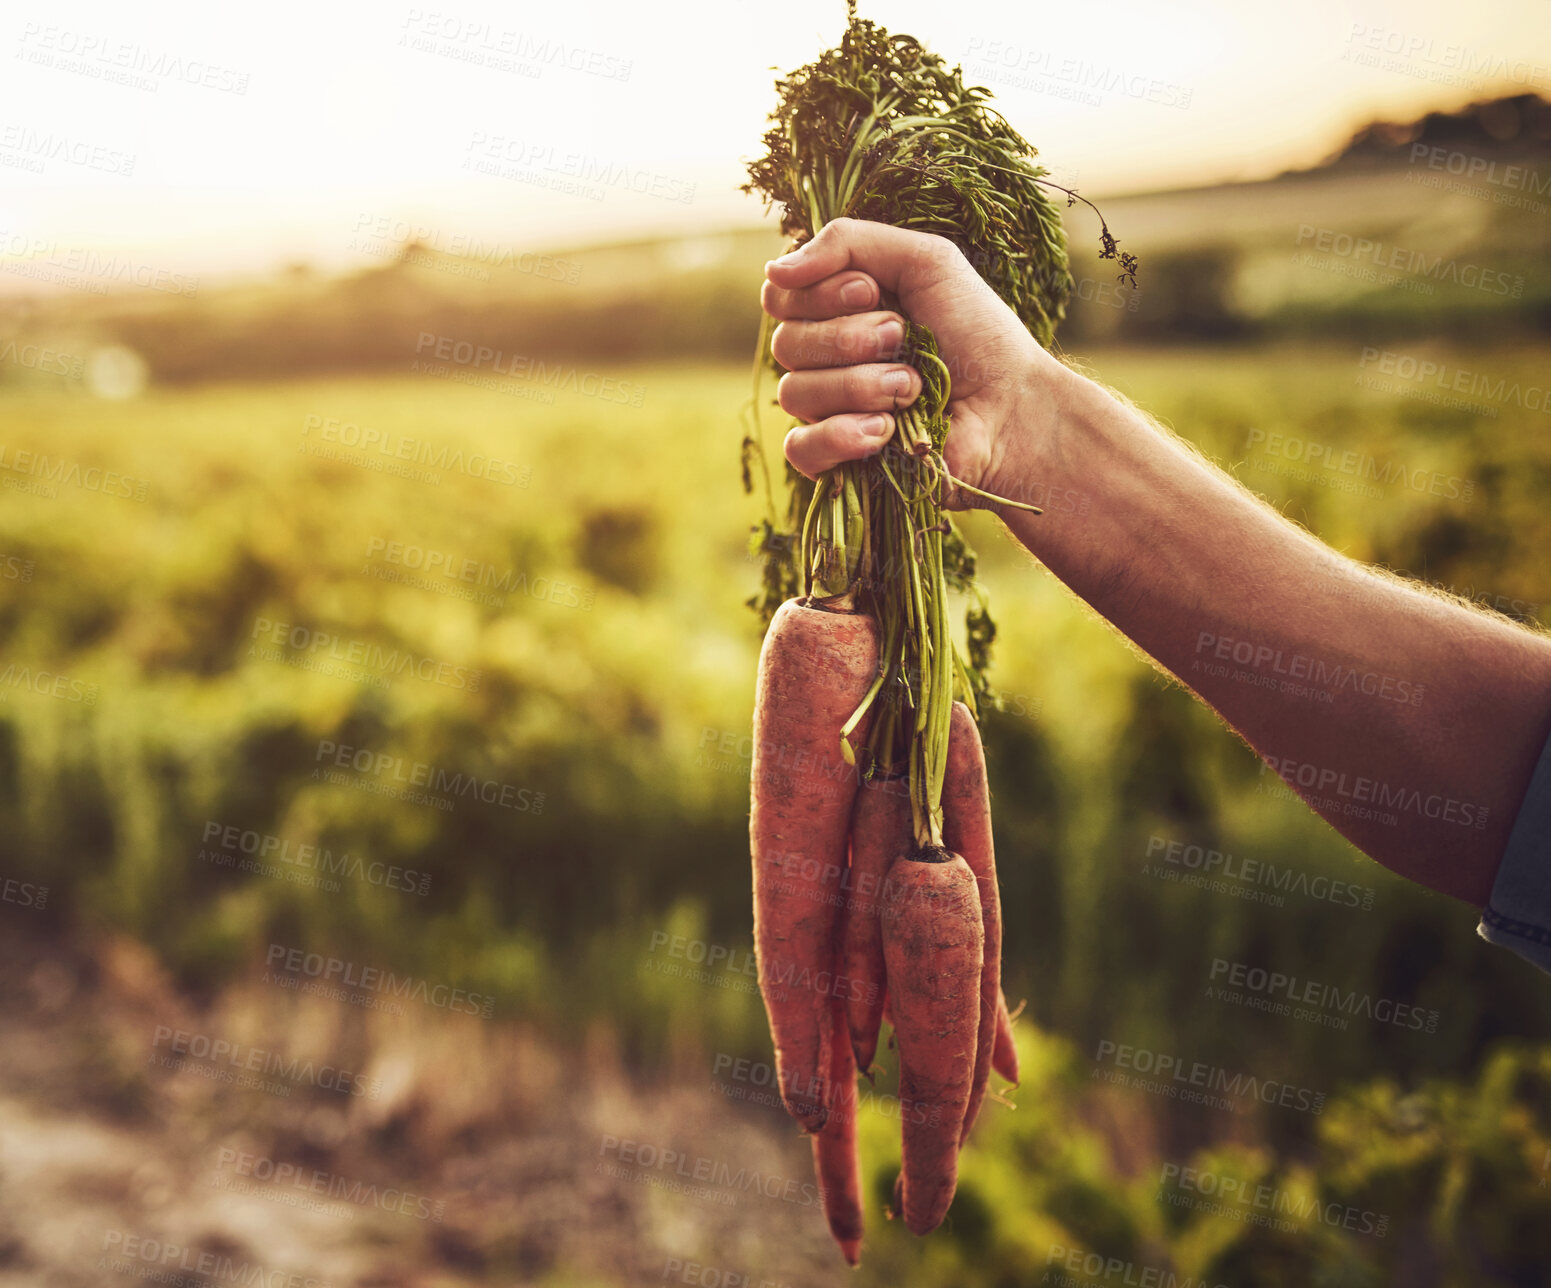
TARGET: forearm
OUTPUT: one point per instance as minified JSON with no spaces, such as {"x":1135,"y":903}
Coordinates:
{"x":1410,"y":722}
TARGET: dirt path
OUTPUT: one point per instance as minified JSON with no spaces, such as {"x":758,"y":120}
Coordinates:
{"x":475,"y":1159}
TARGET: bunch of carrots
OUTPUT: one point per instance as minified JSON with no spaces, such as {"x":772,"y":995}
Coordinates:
{"x":870,"y":822}
{"x":846,"y":893}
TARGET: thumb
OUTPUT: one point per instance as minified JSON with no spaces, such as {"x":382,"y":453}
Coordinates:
{"x":897,"y":259}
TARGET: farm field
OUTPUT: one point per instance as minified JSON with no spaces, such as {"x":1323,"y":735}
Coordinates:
{"x":481,"y":642}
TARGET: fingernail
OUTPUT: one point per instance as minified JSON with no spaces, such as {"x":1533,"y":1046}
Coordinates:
{"x":896,"y":381}
{"x":874,"y":426}
{"x":855,"y":293}
{"x":791,"y":256}
{"x":890,"y":334}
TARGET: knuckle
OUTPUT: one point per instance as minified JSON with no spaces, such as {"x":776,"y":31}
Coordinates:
{"x":840,"y":338}
{"x":891,"y":349}
{"x":938,"y":259}
{"x":772,"y":299}
{"x":781,"y":344}
{"x":795,"y":449}
{"x":939,"y":249}
{"x":858,"y":383}
{"x":866,"y":279}
{"x":788,"y":394}
{"x":808,"y":345}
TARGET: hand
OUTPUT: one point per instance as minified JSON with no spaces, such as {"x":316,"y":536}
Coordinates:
{"x":841,"y":352}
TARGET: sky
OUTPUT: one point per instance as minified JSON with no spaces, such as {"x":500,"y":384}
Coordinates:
{"x":199,"y":139}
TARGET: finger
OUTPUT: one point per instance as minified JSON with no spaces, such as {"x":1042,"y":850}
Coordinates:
{"x":864,"y":337}
{"x":812,"y":449}
{"x":898,"y":259}
{"x":813,"y":395}
{"x":834,"y":297}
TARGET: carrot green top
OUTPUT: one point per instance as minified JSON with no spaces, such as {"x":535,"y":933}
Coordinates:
{"x":879,"y":128}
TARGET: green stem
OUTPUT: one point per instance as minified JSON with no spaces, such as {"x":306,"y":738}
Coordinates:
{"x":758,"y":435}
{"x":805,"y":551}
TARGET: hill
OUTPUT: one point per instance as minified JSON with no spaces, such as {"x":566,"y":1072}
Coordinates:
{"x":1438,"y":226}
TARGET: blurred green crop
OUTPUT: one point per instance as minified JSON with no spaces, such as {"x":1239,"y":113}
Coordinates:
{"x":614,"y":681}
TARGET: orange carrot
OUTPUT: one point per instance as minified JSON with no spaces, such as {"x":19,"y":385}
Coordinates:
{"x":933,"y":944}
{"x":834,"y":1145}
{"x":1005,"y":1057}
{"x":966,"y":807}
{"x":880,"y":833}
{"x":814,"y":670}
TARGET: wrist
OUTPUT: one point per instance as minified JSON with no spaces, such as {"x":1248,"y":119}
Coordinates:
{"x":1033,"y":436}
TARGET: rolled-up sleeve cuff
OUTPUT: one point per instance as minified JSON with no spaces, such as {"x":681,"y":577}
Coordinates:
{"x":1518,"y":915}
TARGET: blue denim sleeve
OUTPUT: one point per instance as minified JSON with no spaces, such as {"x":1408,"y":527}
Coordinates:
{"x":1518,"y":915}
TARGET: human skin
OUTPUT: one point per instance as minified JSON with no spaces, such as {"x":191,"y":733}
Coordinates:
{"x":1180,"y":558}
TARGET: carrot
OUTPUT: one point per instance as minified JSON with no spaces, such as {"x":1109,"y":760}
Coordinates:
{"x":966,"y":807}
{"x":880,"y":832}
{"x":1005,"y":1058}
{"x":933,"y":944}
{"x":814,"y":669}
{"x":834,"y":1145}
